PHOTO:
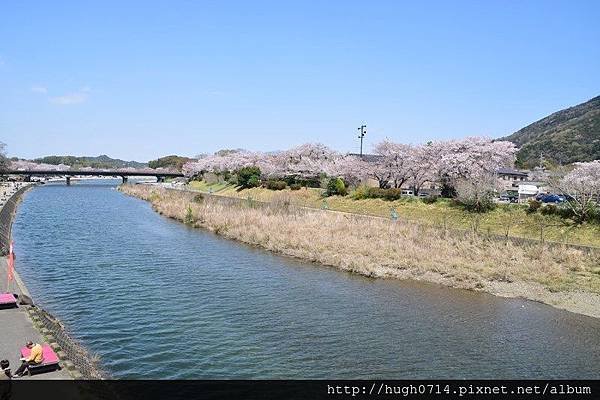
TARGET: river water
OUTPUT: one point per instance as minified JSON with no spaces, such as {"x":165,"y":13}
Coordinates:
{"x":156,"y":299}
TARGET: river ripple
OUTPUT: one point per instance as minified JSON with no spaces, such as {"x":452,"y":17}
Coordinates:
{"x":155,"y":299}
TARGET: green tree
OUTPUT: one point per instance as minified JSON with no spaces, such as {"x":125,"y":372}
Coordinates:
{"x":248,"y":177}
{"x":172,"y":161}
{"x":336,"y":186}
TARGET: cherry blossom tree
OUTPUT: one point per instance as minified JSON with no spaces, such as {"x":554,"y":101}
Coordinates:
{"x":394,"y":164}
{"x":23,"y":165}
{"x":4,"y":163}
{"x":472,"y":159}
{"x":351,"y":168}
{"x":472,"y":156}
{"x":220,"y":163}
{"x":305,"y":161}
{"x":581,"y":186}
{"x":478,"y":191}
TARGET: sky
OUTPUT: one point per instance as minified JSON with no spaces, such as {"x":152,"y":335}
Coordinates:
{"x":139,"y":80}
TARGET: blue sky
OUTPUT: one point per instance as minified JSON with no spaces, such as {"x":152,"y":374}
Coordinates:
{"x":146,"y":79}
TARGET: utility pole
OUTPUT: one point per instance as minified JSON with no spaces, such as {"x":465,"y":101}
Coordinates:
{"x":361,"y":134}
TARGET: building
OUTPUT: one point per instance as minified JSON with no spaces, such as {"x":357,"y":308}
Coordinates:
{"x":510,"y":179}
{"x":527,"y":192}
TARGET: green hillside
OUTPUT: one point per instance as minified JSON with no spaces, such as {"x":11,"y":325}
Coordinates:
{"x":103,"y":162}
{"x":173,"y":161}
{"x":567,"y":136}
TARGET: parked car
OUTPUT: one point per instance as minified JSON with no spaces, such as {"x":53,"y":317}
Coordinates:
{"x":550,"y":198}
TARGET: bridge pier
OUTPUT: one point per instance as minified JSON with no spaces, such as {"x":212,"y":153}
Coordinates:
{"x":124,"y":179}
{"x":68,"y":181}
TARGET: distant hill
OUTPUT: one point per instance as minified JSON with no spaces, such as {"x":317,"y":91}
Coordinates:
{"x":567,"y":136}
{"x":173,"y":161}
{"x":101,"y":162}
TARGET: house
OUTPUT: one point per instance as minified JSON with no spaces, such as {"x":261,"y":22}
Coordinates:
{"x":510,"y":179}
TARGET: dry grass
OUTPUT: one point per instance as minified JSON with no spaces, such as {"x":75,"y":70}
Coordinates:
{"x":381,"y":248}
{"x":505,"y":217}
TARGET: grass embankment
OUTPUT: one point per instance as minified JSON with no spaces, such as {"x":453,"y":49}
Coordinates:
{"x":509,"y":217}
{"x":565,"y":277}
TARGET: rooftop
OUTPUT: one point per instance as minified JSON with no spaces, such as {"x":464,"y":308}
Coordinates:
{"x":510,"y":171}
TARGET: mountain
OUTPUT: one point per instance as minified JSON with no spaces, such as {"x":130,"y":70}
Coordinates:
{"x":101,"y":162}
{"x":565,"y":137}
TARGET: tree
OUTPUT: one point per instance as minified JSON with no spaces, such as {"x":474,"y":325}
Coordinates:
{"x":175,"y":162}
{"x":581,"y":187}
{"x":394,"y":163}
{"x":351,"y":168}
{"x":423,"y":164}
{"x":336,"y":186}
{"x":472,"y":156}
{"x":248,"y":177}
{"x":305,"y":161}
{"x":477,"y":193}
{"x":226,"y":161}
{"x":4,"y":162}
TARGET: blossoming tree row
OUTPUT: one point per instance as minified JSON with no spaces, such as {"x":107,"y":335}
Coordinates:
{"x":392,"y":165}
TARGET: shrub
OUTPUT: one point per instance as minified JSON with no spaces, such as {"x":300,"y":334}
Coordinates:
{"x":387,"y":194}
{"x":430,"y":199}
{"x":248,"y":177}
{"x":448,"y":191}
{"x":534,"y":205}
{"x":233,"y":180}
{"x":254,"y":181}
{"x":593,"y":214}
{"x":276,"y":185}
{"x":198,"y":198}
{"x":336,"y":186}
{"x":549,"y":209}
{"x":361,"y":192}
{"x":189,"y":215}
{"x":478,"y":205}
{"x":295,"y":186}
{"x":566,"y":212}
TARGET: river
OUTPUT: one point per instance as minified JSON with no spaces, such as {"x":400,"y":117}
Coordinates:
{"x":156,"y":299}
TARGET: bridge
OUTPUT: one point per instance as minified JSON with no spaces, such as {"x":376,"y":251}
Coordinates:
{"x":160,"y":176}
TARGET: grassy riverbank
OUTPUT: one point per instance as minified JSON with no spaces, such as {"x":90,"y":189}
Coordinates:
{"x":509,"y":218}
{"x":564,"y":277}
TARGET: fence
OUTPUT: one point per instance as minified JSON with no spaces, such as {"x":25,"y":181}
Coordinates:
{"x":74,"y":357}
{"x":6,"y":216}
{"x":474,"y":229}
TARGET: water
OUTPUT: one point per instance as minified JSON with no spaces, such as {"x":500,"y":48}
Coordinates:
{"x":155,"y":299}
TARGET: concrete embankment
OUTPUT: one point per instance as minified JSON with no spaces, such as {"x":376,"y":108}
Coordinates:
{"x":560,"y":276}
{"x":30,"y":322}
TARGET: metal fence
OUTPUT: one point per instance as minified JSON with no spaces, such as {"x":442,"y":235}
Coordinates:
{"x":74,"y":357}
{"x":6,"y":216}
{"x":443,"y":226}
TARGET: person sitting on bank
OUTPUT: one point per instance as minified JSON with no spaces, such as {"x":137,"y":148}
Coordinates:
{"x":5,"y":374}
{"x":35,"y":358}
